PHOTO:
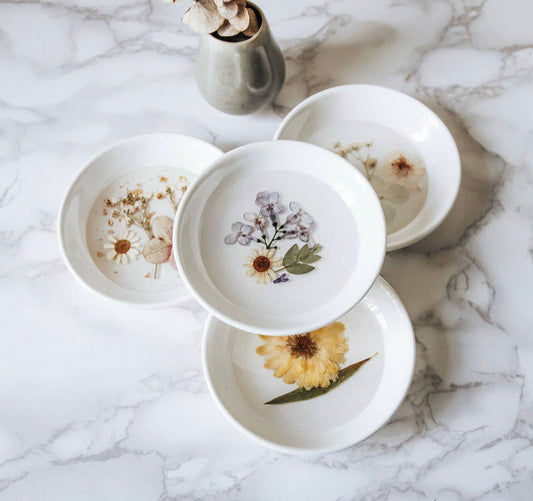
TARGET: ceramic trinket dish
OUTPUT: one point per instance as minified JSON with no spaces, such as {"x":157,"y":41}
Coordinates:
{"x":279,"y":237}
{"x":398,"y":143}
{"x":247,"y":376}
{"x":115,"y":222}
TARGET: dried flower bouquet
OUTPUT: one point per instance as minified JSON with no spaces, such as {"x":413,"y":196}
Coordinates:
{"x":226,"y":18}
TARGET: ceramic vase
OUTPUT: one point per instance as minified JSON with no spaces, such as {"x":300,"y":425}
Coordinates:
{"x":240,"y":77}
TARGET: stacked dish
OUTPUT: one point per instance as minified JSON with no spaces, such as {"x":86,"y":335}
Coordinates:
{"x":307,"y":349}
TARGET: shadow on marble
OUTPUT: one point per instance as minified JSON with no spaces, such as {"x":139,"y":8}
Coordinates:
{"x":315,"y":64}
{"x":481,"y":173}
{"x":442,"y":287}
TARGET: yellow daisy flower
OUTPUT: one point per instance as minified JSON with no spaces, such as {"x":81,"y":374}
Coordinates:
{"x":309,"y":360}
{"x":260,"y":265}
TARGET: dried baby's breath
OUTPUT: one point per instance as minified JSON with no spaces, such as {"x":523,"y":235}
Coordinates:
{"x":132,"y":210}
{"x":358,"y":153}
{"x":174,"y":194}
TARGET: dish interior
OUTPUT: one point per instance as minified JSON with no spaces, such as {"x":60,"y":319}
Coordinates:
{"x":343,"y":416}
{"x":336,"y":229}
{"x":106,"y":222}
{"x":371,"y":148}
{"x":257,"y":385}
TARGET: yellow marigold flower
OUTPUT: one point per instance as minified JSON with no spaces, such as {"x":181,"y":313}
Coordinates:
{"x":309,"y":360}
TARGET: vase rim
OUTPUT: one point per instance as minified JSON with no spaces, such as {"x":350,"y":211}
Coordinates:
{"x":260,"y":31}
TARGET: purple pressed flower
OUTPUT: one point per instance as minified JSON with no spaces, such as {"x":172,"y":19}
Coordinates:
{"x":302,"y":230}
{"x":241,"y":233}
{"x":305,"y":232}
{"x":282,"y":278}
{"x":260,"y":222}
{"x":268,"y":201}
{"x":298,"y":216}
{"x":291,"y":231}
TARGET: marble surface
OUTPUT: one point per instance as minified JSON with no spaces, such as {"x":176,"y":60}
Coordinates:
{"x":102,"y":402}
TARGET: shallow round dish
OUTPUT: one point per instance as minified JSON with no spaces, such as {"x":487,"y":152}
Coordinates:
{"x":279,"y":237}
{"x":155,"y":170}
{"x":401,"y":146}
{"x":344,"y":416}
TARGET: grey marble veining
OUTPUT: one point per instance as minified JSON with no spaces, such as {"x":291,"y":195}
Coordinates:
{"x":99,"y":404}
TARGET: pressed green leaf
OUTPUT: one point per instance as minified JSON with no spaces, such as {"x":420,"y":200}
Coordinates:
{"x":316,"y":249}
{"x":299,"y":269}
{"x":291,"y":256}
{"x":303,"y":252}
{"x":312,"y":258}
{"x":302,"y":394}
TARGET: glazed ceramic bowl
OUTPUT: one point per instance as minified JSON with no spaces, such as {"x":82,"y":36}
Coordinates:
{"x":279,"y":237}
{"x":377,"y":327}
{"x":90,"y":229}
{"x":402,"y":147}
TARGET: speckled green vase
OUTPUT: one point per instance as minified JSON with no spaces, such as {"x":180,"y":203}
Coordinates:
{"x":240,"y":77}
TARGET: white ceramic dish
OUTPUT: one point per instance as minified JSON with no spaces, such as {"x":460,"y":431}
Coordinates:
{"x":392,"y":138}
{"x":337,"y":206}
{"x":344,"y":416}
{"x":150,"y":163}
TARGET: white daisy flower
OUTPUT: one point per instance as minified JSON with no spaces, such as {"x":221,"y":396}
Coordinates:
{"x":260,"y":265}
{"x":123,"y":249}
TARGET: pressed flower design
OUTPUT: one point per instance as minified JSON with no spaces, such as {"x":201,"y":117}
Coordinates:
{"x":135,"y":210}
{"x":241,"y":233}
{"x":312,"y":361}
{"x":259,"y":222}
{"x":309,"y":360}
{"x":158,"y":250}
{"x":260,"y":265}
{"x":401,"y":168}
{"x":124,"y":248}
{"x":396,"y":176}
{"x":282,"y":278}
{"x":267,"y":229}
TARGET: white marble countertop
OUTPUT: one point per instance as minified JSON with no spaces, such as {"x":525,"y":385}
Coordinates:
{"x":100,"y":402}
